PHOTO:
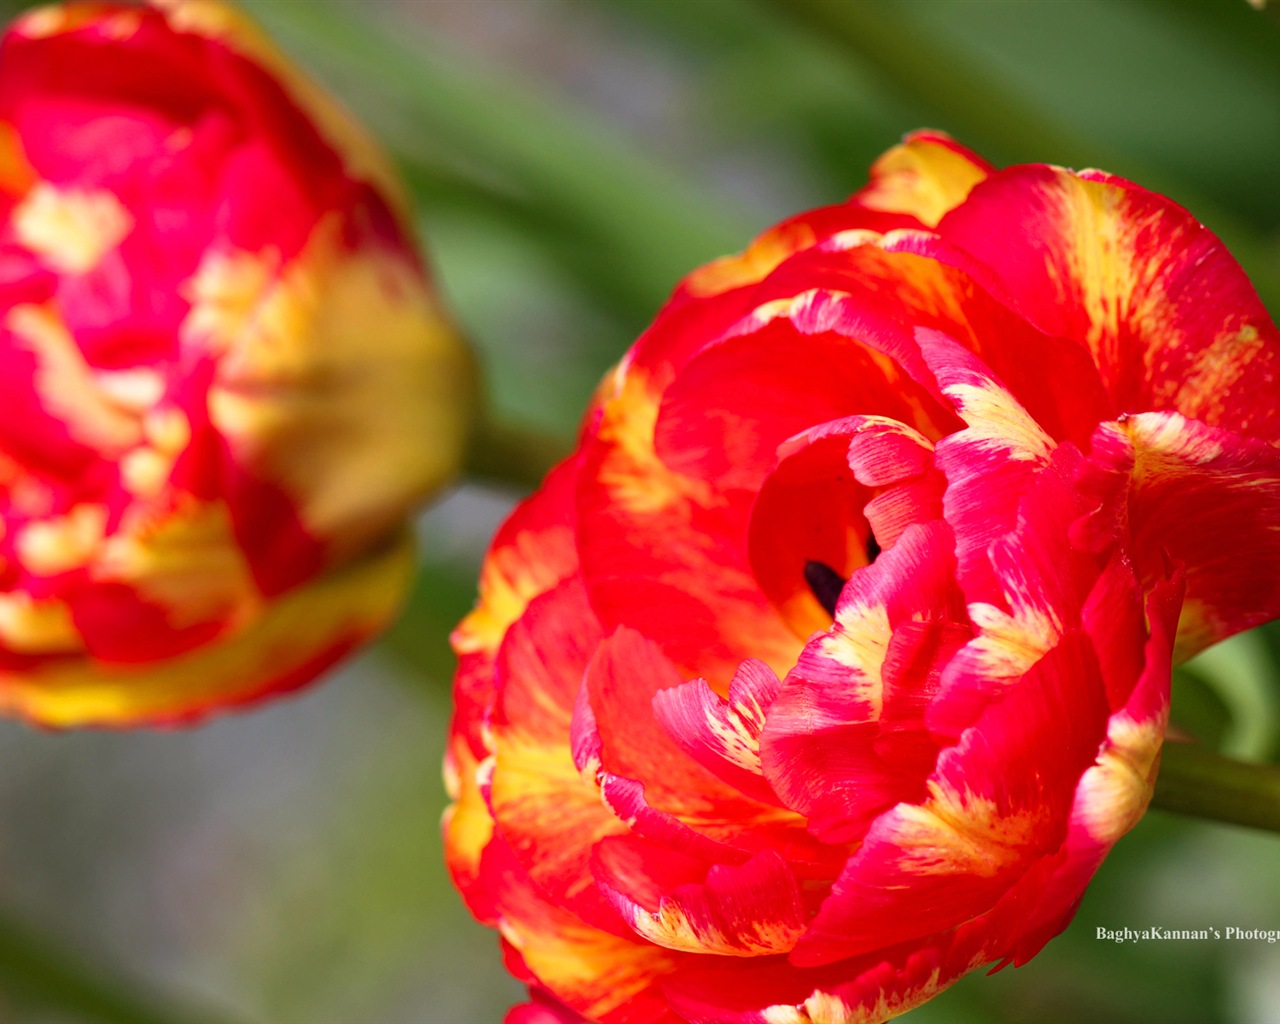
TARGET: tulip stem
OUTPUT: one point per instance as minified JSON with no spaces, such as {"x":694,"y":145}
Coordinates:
{"x":511,"y":455}
{"x":1198,"y":782}
{"x":37,"y":972}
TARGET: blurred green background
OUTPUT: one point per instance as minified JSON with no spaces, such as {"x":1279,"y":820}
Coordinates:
{"x":572,"y":158}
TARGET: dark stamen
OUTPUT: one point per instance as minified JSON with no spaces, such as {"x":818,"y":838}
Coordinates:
{"x":825,"y":583}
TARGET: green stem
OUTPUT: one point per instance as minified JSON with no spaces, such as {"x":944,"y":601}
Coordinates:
{"x":512,"y":456}
{"x":34,"y":970}
{"x":1203,"y":784}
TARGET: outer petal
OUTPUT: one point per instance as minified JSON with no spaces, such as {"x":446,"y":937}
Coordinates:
{"x":539,"y":670}
{"x":1170,"y":317}
{"x":543,"y":1010}
{"x":302,"y":403}
{"x":362,"y":158}
{"x":664,"y":554}
{"x":926,"y":177}
{"x":609,"y":979}
{"x":1112,"y":794}
{"x":532,"y":553}
{"x":749,"y":909}
{"x":1202,"y":497}
{"x":913,"y":184}
{"x":300,"y":635}
{"x":865,"y":990}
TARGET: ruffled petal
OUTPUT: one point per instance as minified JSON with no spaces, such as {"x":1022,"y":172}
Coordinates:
{"x":723,"y":735}
{"x":653,"y":785}
{"x":1041,"y":585}
{"x":819,"y":746}
{"x":999,"y":800}
{"x":750,"y":909}
{"x":607,"y":978}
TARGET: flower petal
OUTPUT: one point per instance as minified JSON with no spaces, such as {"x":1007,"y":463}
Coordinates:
{"x":998,"y":801}
{"x":819,"y":746}
{"x":926,"y":176}
{"x":723,"y":735}
{"x":1171,"y":319}
{"x":539,"y":671}
{"x":1200,"y":496}
{"x":653,"y":785}
{"x":748,"y":909}
{"x":663,"y":553}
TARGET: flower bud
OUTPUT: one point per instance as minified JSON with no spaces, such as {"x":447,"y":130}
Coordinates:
{"x":226,"y":379}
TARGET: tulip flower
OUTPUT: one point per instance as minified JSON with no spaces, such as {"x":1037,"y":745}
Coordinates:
{"x":836,"y":659}
{"x":226,"y":379}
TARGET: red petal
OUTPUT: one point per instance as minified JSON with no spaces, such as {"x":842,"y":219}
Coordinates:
{"x":988,"y":465}
{"x":750,"y":909}
{"x":1200,"y":496}
{"x":1042,"y":583}
{"x":1112,"y":794}
{"x":666,"y":555}
{"x":1171,"y":319}
{"x":609,"y":979}
{"x":999,"y":800}
{"x":818,"y":746}
{"x":539,"y":672}
{"x":818,"y":469}
{"x":926,"y":176}
{"x":723,"y":735}
{"x":652,"y":784}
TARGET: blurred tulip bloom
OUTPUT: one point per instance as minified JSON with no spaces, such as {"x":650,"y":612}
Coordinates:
{"x":226,"y":381}
{"x":837,"y":658}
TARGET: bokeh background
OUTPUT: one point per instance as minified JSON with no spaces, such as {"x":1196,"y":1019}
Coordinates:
{"x":571,"y":159}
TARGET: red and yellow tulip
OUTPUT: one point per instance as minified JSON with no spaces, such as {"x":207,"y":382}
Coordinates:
{"x":226,"y":380}
{"x":837,"y":657}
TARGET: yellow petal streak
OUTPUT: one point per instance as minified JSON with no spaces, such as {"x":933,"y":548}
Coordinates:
{"x":70,"y":229}
{"x":963,"y":834}
{"x":1115,"y":792}
{"x":351,"y":604}
{"x":68,"y":388}
{"x":187,"y":562}
{"x":30,"y":626}
{"x":62,"y":543}
{"x":356,"y":423}
{"x":922,"y":178}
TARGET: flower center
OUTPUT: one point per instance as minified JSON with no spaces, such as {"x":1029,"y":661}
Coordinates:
{"x":825,"y":583}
